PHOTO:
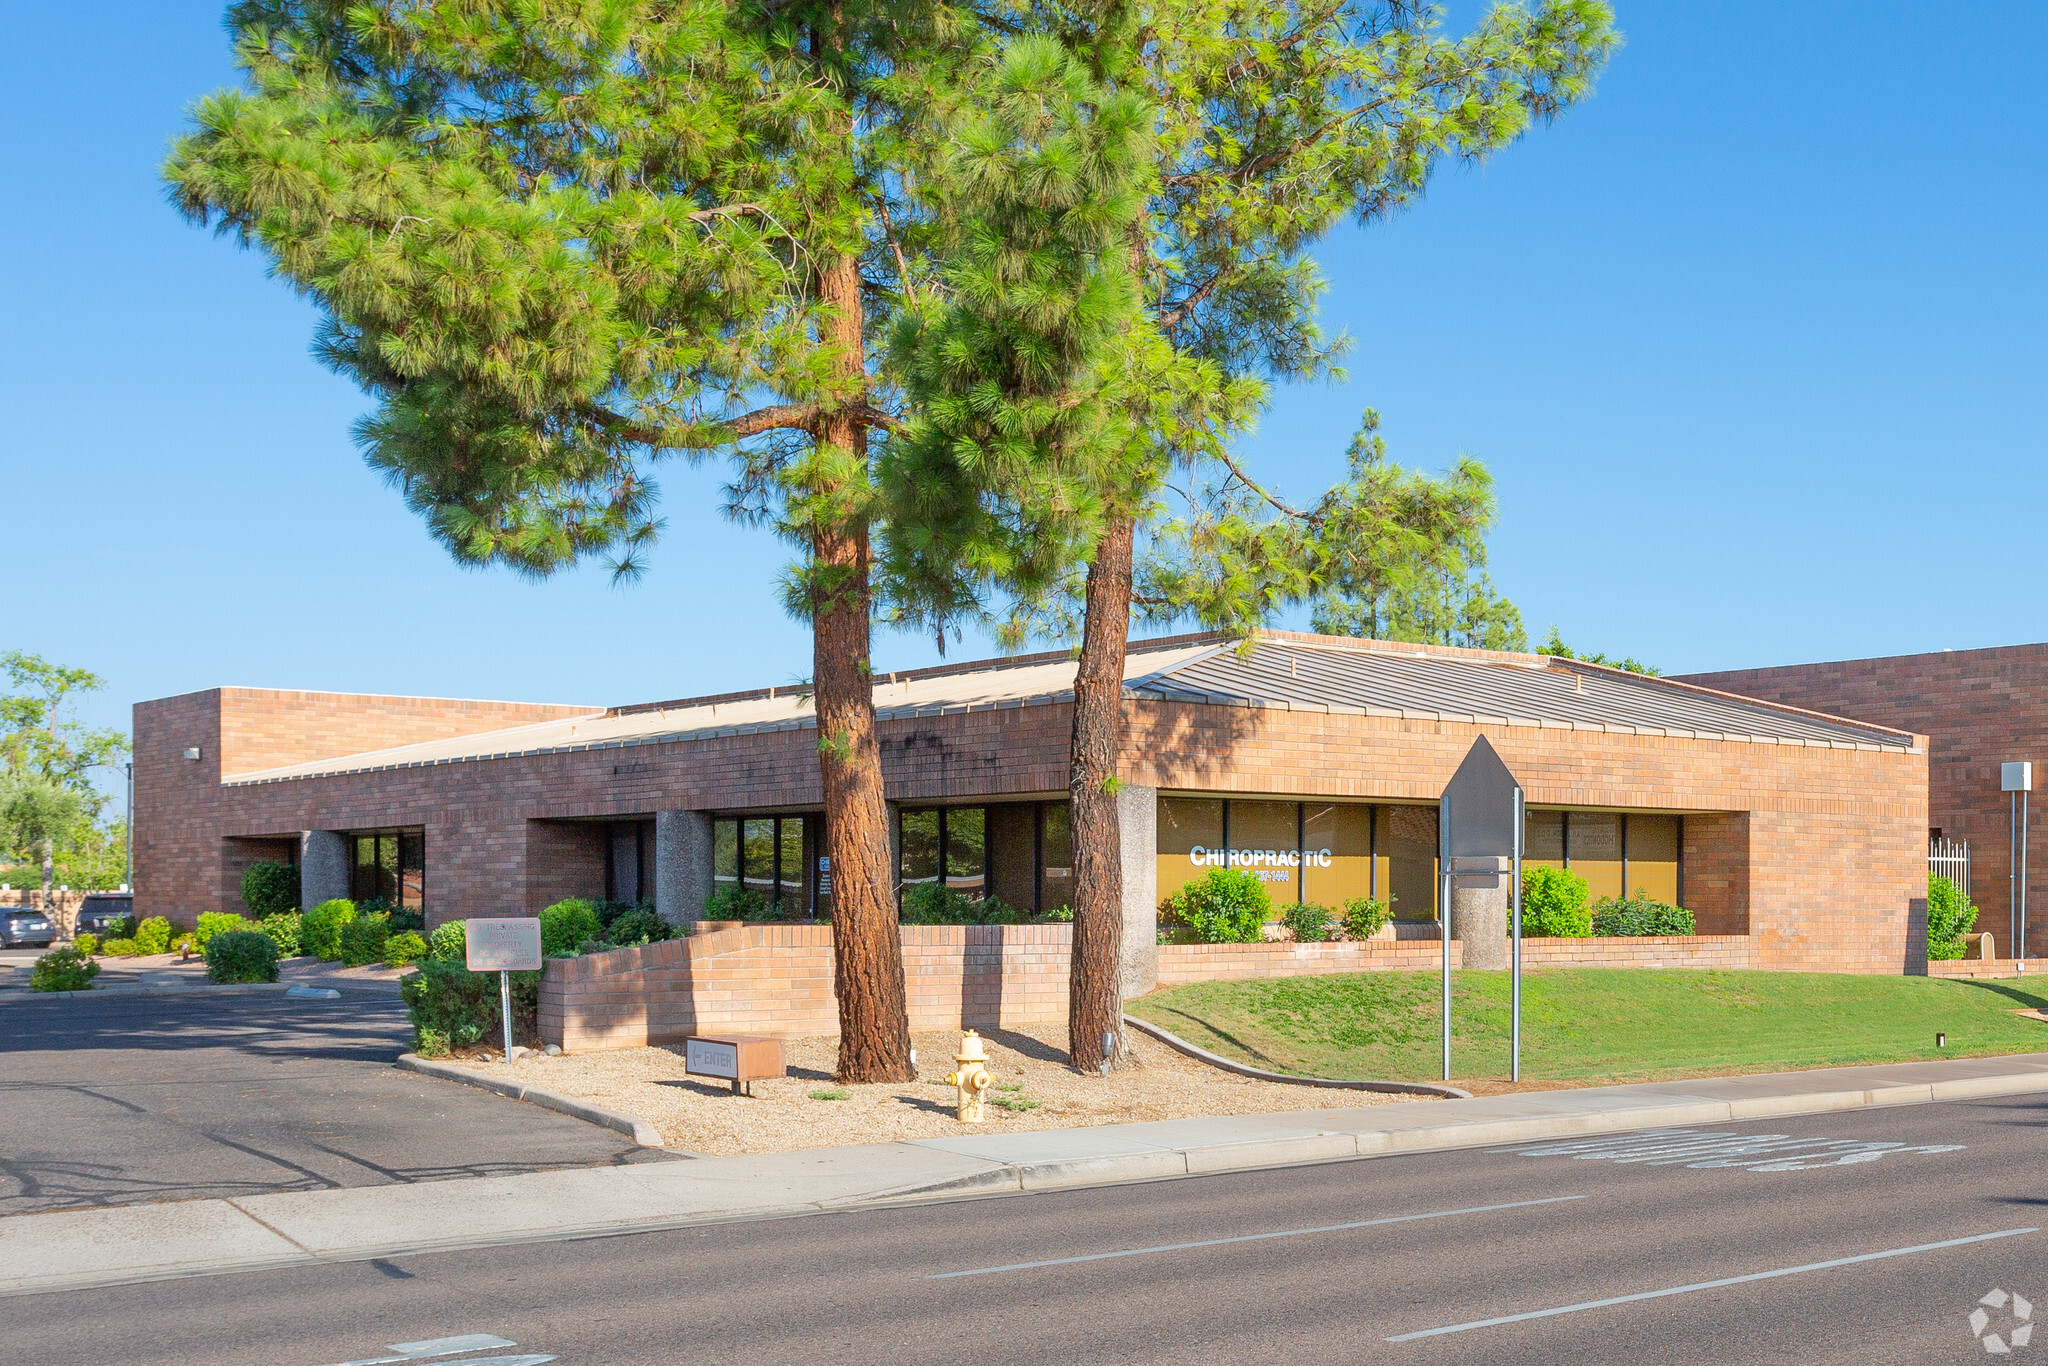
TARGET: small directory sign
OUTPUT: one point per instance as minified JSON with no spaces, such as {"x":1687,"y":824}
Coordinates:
{"x":503,"y":945}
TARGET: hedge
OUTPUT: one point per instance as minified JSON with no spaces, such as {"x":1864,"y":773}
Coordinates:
{"x":241,"y":956}
{"x":320,"y":928}
{"x":270,"y":889}
{"x":452,"y":1007}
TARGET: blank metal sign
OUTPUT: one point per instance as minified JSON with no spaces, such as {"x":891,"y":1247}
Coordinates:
{"x":503,"y":945}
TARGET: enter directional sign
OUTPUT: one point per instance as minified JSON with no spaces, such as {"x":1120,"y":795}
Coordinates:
{"x":503,"y":945}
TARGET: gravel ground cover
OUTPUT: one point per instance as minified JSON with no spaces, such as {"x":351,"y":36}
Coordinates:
{"x":1034,"y":1089}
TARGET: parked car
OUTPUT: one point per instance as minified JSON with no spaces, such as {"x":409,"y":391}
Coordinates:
{"x":21,"y":928}
{"x":110,"y":915}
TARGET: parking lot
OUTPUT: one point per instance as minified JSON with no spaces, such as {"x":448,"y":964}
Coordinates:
{"x":134,"y":1098}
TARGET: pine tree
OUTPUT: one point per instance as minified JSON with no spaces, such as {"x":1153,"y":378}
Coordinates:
{"x":1394,"y":584}
{"x":560,"y":242}
{"x":1274,"y":122}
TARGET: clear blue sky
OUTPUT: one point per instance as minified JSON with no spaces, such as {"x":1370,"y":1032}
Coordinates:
{"x":1752,"y":342}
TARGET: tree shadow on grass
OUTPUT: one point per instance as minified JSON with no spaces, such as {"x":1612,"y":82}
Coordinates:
{"x":2024,"y":999}
{"x":1222,"y":1034}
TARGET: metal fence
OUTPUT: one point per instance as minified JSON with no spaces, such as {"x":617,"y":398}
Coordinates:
{"x":1950,"y":859}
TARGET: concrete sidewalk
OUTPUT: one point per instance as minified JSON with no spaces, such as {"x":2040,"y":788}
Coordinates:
{"x":70,"y":1249}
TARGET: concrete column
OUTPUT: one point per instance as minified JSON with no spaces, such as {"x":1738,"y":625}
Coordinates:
{"x":1137,"y":814}
{"x":323,"y":867}
{"x":1479,"y":911}
{"x":682,"y":865}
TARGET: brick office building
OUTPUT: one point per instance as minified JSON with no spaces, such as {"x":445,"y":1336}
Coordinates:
{"x":1978,"y":709}
{"x":1316,"y":761}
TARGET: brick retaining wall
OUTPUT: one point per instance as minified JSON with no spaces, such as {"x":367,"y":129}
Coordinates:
{"x":777,"y":979}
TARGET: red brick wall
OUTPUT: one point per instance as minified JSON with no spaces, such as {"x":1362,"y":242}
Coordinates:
{"x":183,"y":814}
{"x":265,"y":728}
{"x":1813,"y":851}
{"x":563,"y":859}
{"x":1978,"y":709}
{"x":777,"y":979}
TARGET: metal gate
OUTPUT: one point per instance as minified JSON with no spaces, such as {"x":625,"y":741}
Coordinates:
{"x":1950,"y":859}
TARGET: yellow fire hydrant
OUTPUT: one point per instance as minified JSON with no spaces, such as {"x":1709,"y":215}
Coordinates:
{"x":972,"y":1080}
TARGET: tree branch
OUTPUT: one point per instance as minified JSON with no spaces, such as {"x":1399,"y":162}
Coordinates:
{"x":801,"y":417}
{"x":1311,"y":518}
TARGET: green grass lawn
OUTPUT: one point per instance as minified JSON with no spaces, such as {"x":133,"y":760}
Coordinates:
{"x":1595,"y":1024}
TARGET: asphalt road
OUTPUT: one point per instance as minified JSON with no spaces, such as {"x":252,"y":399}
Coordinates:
{"x":131,"y":1098}
{"x":1198,"y":1277}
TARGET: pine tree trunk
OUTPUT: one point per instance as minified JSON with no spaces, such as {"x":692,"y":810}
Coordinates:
{"x":1095,"y":998}
{"x":867,"y":951}
{"x":49,"y":872}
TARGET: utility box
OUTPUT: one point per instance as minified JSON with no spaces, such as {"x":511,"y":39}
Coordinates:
{"x":741,"y":1059}
{"x":2017,"y":777}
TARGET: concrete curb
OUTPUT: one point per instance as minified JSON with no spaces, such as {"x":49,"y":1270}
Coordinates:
{"x":1217,"y":1159}
{"x":1399,"y":1088}
{"x":129,"y":1244}
{"x":138,"y":989}
{"x":632,"y":1126}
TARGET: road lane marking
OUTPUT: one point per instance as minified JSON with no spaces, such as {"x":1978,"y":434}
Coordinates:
{"x":1710,"y":1285}
{"x":1250,"y":1238}
{"x":1705,"y":1151}
{"x":435,"y":1347}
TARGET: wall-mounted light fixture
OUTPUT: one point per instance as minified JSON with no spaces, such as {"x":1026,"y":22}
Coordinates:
{"x":192,"y":754}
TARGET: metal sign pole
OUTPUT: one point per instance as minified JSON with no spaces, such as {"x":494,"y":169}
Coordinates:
{"x":1515,"y":989}
{"x":2020,"y":948}
{"x":2012,"y":876}
{"x":505,"y":1001}
{"x":1443,"y":897}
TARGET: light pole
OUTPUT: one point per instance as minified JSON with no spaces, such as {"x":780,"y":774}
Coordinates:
{"x":128,"y":832}
{"x":2018,"y":779}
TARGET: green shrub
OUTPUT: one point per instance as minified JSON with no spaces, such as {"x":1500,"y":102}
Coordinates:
{"x":87,"y":943}
{"x":450,"y":1006}
{"x":404,"y":949}
{"x":1310,"y":923}
{"x":932,"y":903}
{"x":1950,"y":916}
{"x":1553,"y":905}
{"x":566,"y":924}
{"x":119,"y":948}
{"x":212,"y":923}
{"x":1059,"y":915}
{"x":1223,"y":906}
{"x":1365,"y":917}
{"x":153,"y":935}
{"x":241,"y":956}
{"x":609,"y":911}
{"x":638,"y":926}
{"x":270,"y":889}
{"x":62,"y":970}
{"x":284,"y":931}
{"x":320,"y":928}
{"x":449,"y":942}
{"x":1641,"y":914}
{"x":734,"y":902}
{"x":362,"y":939}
